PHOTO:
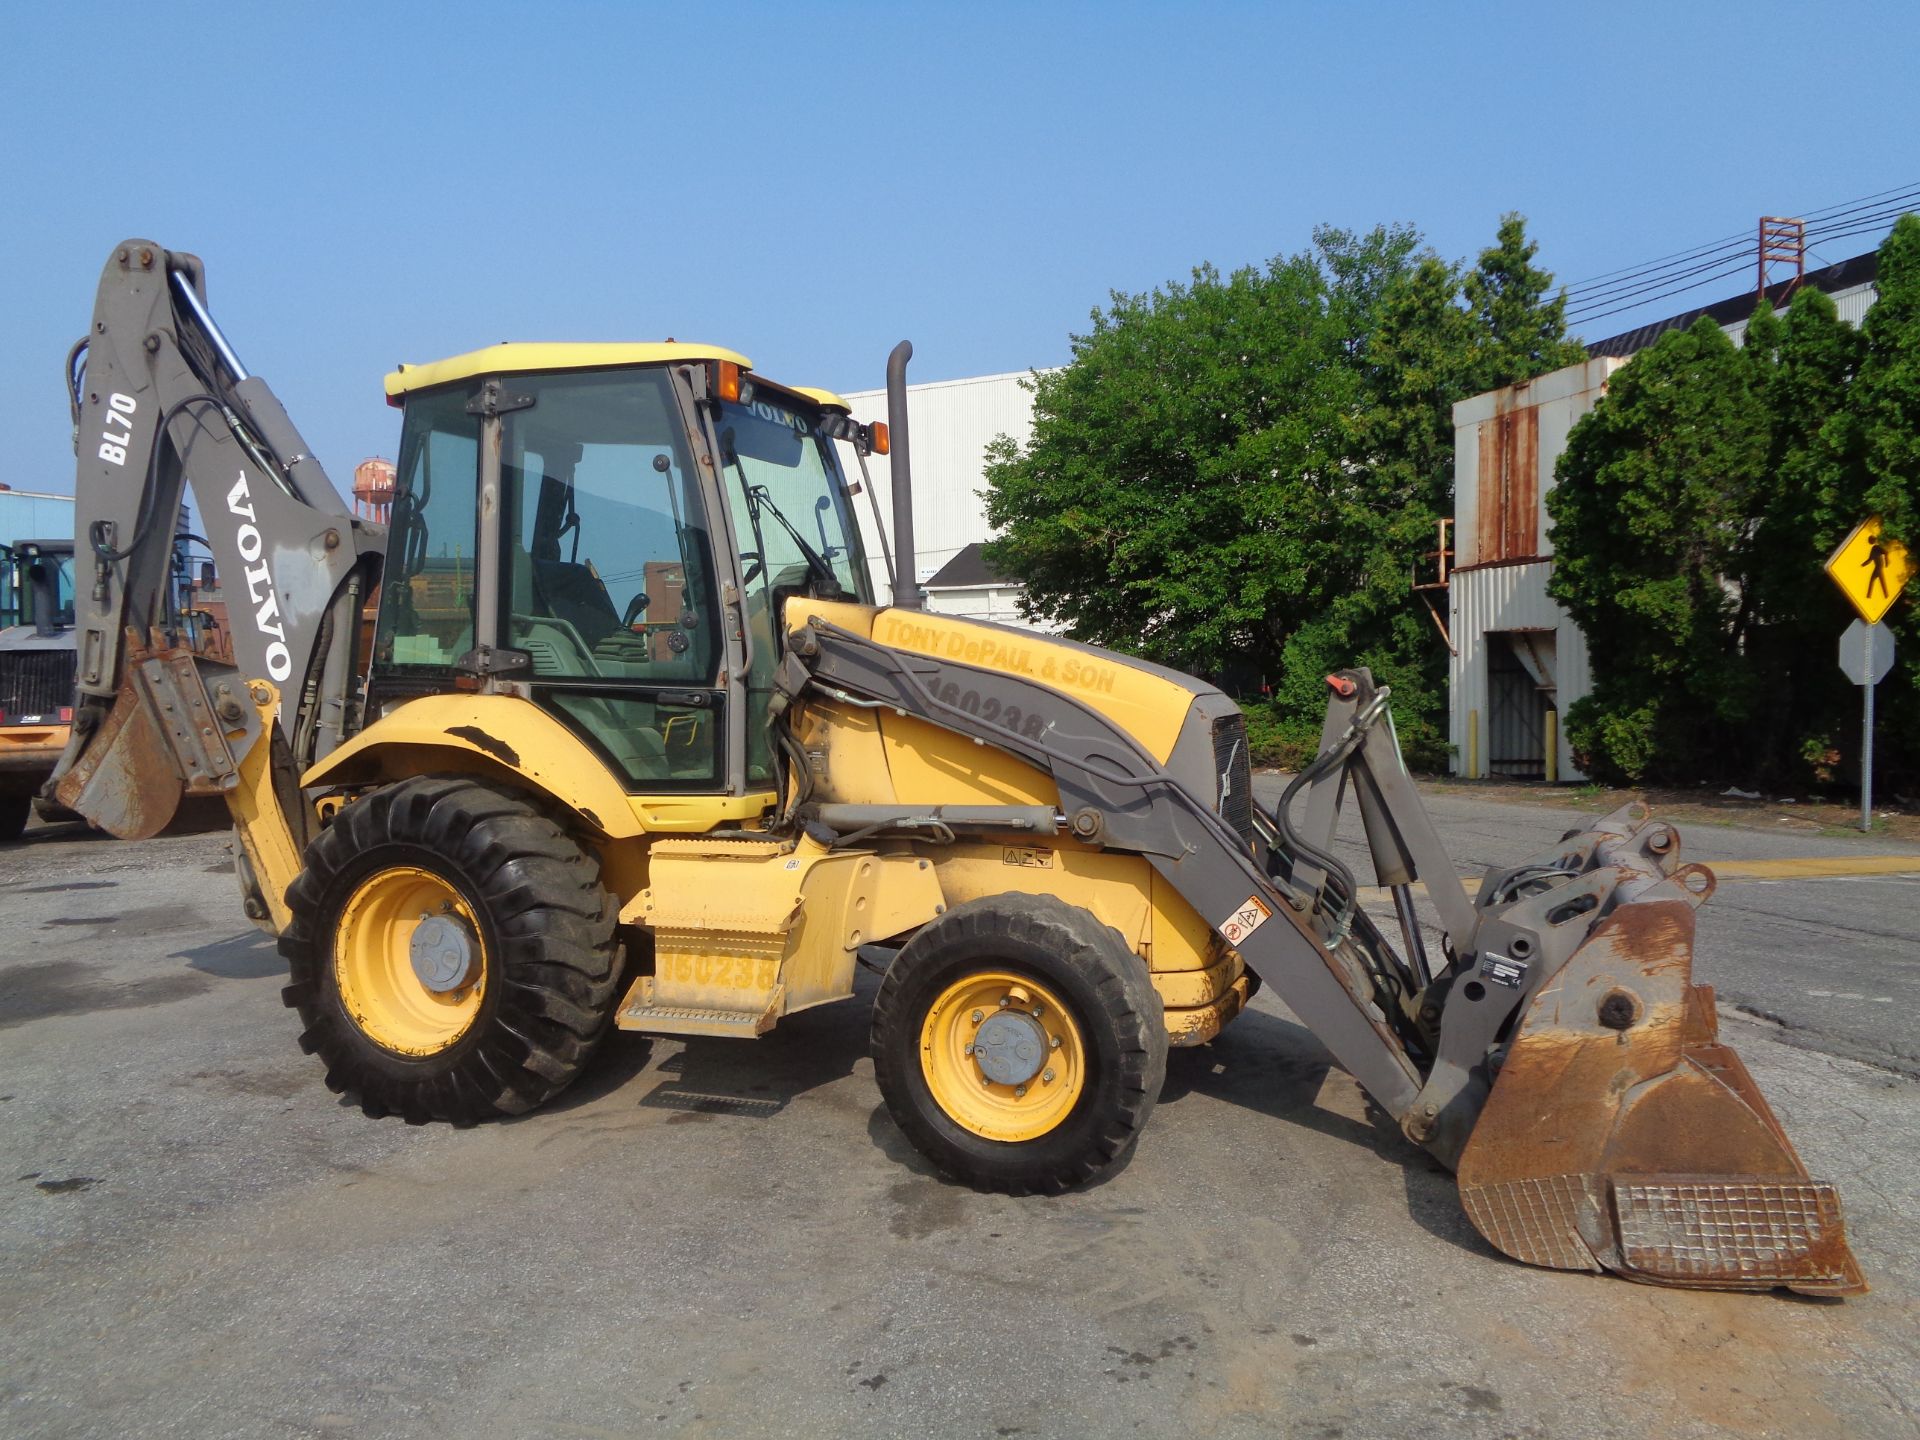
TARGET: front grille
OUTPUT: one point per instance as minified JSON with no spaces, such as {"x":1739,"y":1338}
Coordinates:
{"x":36,"y":682}
{"x":1233,"y":774}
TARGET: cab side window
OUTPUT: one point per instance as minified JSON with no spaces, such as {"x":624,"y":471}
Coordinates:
{"x":608,"y":578}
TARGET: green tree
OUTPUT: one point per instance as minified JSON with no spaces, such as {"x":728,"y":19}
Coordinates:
{"x":1522,"y":326}
{"x":1693,"y":513}
{"x":1811,"y":497}
{"x":1234,"y":476}
{"x":1884,"y":409}
{"x":1650,"y":511}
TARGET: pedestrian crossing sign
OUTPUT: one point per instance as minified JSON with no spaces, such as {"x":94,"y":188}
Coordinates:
{"x":1871,"y":569}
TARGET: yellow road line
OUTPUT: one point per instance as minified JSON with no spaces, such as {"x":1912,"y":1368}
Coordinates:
{"x":1816,"y":867}
{"x":1805,"y":867}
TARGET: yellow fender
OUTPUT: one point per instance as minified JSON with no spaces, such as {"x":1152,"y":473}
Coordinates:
{"x":511,"y":739}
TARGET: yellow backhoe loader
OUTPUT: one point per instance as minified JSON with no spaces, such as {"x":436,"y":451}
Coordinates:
{"x":635,"y":746}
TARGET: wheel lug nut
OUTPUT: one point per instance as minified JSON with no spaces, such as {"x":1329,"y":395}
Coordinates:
{"x":978,"y":1016}
{"x":1036,"y":1012}
{"x":1056,"y":1041}
{"x":1047,"y":1078}
{"x":1018,"y":1091}
{"x":1004,"y":1002}
{"x":969,"y":1048}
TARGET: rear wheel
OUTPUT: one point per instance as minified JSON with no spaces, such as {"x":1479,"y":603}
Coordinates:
{"x":1019,"y":1044}
{"x":14,"y":810}
{"x":451,"y":952}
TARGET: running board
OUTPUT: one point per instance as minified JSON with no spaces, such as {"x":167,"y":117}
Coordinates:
{"x":639,"y":1012}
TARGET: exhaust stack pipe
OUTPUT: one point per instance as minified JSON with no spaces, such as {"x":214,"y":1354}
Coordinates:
{"x":906,"y":578}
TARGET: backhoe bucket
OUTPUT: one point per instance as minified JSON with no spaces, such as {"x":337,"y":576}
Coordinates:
{"x":160,"y":741}
{"x":1621,"y":1135}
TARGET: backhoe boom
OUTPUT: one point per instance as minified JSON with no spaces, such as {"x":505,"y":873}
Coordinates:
{"x":163,"y":403}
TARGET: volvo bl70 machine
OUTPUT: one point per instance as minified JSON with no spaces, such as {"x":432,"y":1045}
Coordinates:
{"x":634,"y":746}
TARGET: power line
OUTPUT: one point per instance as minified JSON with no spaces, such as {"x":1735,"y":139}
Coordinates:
{"x":1677,"y":255}
{"x":1879,"y":195}
{"x":1653,"y":280}
{"x":1637,"y":287}
{"x":1859,"y":222}
{"x":1739,"y":268}
{"x":1665,"y":285}
{"x":1582,"y":294}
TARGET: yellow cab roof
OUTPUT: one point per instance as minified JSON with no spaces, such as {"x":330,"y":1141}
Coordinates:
{"x":824,"y":398}
{"x":524,"y":358}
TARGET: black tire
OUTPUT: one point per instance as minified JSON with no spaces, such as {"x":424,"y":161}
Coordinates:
{"x":14,"y":810}
{"x":546,"y":924}
{"x":1111,"y":999}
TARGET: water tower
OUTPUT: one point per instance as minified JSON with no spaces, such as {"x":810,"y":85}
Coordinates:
{"x":373,"y":482}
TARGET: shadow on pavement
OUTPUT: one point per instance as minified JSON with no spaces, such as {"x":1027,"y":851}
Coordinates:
{"x":1275,"y":1067}
{"x":251,"y":955}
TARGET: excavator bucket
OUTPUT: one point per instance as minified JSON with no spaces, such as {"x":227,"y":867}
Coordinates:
{"x":159,"y":742}
{"x":1621,"y":1134}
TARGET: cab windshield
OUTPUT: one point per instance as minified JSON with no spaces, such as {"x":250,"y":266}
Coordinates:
{"x":795,"y":528}
{"x":791,"y":513}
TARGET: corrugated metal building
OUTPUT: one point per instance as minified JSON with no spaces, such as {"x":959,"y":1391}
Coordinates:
{"x":1518,"y":660}
{"x":953,"y":423}
{"x":1517,"y":657}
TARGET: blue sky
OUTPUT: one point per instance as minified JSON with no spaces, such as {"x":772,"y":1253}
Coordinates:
{"x":370,"y":184}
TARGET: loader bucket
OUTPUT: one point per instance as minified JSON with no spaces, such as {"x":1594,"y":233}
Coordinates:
{"x":1622,"y":1135}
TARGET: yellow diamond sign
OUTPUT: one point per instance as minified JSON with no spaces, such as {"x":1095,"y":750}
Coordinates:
{"x":1871,"y":569}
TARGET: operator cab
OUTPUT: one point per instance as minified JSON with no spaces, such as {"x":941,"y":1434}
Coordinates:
{"x":36,"y":585}
{"x":613,"y":531}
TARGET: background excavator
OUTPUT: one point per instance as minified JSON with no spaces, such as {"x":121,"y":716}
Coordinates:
{"x":634,"y":746}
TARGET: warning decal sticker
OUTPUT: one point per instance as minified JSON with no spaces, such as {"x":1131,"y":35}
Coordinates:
{"x":1246,"y":918}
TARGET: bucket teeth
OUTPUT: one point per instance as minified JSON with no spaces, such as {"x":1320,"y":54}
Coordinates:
{"x":1622,"y":1135}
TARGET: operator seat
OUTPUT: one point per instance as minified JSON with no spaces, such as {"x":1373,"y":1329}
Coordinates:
{"x":570,"y":591}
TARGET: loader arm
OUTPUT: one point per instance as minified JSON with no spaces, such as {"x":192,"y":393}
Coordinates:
{"x":1658,"y":1159}
{"x":162,"y":402}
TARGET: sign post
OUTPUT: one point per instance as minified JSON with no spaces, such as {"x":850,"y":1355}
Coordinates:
{"x":1871,"y":569}
{"x":1866,"y":655}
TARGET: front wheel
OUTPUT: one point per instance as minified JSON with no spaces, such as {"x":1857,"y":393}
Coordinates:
{"x":451,"y":952}
{"x":1018,"y":1044}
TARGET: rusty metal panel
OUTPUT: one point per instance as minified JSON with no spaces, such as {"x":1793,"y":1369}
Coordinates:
{"x":1508,"y":515}
{"x":1489,"y":491}
{"x":1520,"y":444}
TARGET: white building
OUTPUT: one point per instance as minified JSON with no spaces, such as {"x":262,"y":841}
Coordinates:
{"x":1518,"y":660}
{"x":953,"y":422}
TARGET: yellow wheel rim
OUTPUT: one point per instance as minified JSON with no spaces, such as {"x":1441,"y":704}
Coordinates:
{"x":373,"y":962}
{"x":977,"y":1052}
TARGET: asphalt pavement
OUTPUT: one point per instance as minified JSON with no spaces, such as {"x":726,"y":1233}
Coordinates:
{"x":722,"y":1238}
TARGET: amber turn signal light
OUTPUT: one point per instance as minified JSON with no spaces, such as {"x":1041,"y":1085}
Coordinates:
{"x":727,"y":381}
{"x":881,"y":443}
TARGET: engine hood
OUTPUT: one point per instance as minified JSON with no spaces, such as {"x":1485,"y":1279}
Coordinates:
{"x":1190,"y":727}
